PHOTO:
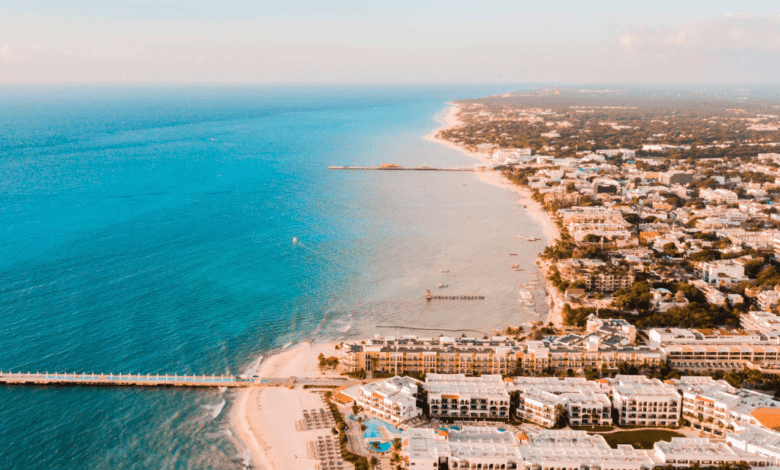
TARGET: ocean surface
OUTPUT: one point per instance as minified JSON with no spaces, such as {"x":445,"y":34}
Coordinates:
{"x":150,"y":229}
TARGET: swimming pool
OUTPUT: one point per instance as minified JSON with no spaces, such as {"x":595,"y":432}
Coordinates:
{"x":373,"y":434}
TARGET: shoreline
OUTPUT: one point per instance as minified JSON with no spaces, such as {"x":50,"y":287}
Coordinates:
{"x":263,"y":419}
{"x":449,"y":120}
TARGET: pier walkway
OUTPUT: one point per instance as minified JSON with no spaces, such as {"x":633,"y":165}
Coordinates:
{"x":157,"y":380}
{"x":412,"y":168}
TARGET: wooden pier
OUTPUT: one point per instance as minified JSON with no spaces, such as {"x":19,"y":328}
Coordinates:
{"x":430,"y":296}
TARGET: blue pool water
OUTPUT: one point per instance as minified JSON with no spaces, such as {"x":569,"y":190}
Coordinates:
{"x":148,"y":230}
{"x":373,"y":434}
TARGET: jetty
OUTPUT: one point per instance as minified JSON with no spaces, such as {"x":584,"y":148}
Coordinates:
{"x":83,"y":379}
{"x":430,"y":296}
{"x":393,"y":167}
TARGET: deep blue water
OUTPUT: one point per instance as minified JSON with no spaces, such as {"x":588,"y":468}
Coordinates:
{"x":149,"y":229}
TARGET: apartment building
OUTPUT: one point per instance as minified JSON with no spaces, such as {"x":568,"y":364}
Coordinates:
{"x":499,"y":355}
{"x":467,"y":448}
{"x":714,"y":407}
{"x":458,"y":396}
{"x":723,"y":273}
{"x":640,"y":401}
{"x":684,"y":452}
{"x":547,"y":449}
{"x":764,"y":322}
{"x":412,"y":354}
{"x":542,"y":399}
{"x":720,"y":196}
{"x":595,"y":274}
{"x":394,"y":399}
{"x":758,"y":441}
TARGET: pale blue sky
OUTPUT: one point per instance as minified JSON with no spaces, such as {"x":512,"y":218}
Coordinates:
{"x":406,"y":41}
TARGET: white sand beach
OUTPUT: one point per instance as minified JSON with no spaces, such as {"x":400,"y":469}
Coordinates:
{"x":263,"y":418}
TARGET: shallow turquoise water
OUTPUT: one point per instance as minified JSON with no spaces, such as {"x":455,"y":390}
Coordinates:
{"x":149,"y":229}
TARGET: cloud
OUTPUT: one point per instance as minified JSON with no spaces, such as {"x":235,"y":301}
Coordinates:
{"x":10,"y":54}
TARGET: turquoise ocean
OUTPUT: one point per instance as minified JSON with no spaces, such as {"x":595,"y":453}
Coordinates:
{"x":149,"y":230}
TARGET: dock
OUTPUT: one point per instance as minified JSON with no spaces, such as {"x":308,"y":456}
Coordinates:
{"x":410,"y":168}
{"x":83,"y":379}
{"x":430,"y":296}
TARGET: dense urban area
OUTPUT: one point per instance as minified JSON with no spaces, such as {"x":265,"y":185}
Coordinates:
{"x":665,"y":280}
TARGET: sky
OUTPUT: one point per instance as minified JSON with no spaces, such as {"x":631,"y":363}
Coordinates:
{"x":433,"y":41}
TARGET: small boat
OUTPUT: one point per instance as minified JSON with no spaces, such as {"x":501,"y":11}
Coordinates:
{"x":533,"y":239}
{"x":512,"y":254}
{"x":442,"y":286}
{"x":444,"y":271}
{"x":514,"y":265}
{"x":521,"y":236}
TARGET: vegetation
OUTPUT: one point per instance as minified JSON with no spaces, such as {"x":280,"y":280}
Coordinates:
{"x":359,"y":374}
{"x":328,"y":363}
{"x":641,"y":439}
{"x":360,"y":462}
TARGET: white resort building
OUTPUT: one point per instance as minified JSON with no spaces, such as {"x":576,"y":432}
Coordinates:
{"x":394,"y":399}
{"x":640,"y":401}
{"x":469,"y":448}
{"x":585,"y":402}
{"x":458,"y":396}
{"x":715,"y":407}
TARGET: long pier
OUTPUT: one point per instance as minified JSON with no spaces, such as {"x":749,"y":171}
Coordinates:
{"x":409,"y":168}
{"x":120,"y":380}
{"x":83,"y":379}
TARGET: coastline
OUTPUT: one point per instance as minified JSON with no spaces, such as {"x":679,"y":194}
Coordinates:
{"x":263,"y":418}
{"x":449,"y":120}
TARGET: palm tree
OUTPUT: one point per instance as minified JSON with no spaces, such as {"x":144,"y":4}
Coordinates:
{"x":594,"y":416}
{"x":742,"y":465}
{"x":397,"y":444}
{"x":695,"y":466}
{"x":374,"y":461}
{"x":724,"y":466}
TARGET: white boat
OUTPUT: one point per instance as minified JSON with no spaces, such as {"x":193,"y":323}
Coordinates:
{"x":521,"y":236}
{"x":444,"y":271}
{"x":533,"y":239}
{"x":442,"y":286}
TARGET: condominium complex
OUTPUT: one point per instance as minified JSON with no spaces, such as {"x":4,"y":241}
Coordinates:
{"x":640,"y":401}
{"x":592,"y":273}
{"x":491,"y":448}
{"x":542,"y":399}
{"x":715,"y":407}
{"x":458,"y":396}
{"x":394,"y":399}
{"x":467,"y":448}
{"x":543,"y":450}
{"x":499,"y":355}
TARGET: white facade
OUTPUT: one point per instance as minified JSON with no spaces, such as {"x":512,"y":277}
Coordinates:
{"x":714,"y":407}
{"x":683,"y":452}
{"x":640,"y":401}
{"x":758,"y":441}
{"x":469,"y":448}
{"x":458,"y":396}
{"x":545,"y":450}
{"x":764,"y":322}
{"x":394,"y":399}
{"x":723,"y":272}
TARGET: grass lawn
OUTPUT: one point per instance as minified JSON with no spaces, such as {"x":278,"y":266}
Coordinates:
{"x":643,"y":439}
